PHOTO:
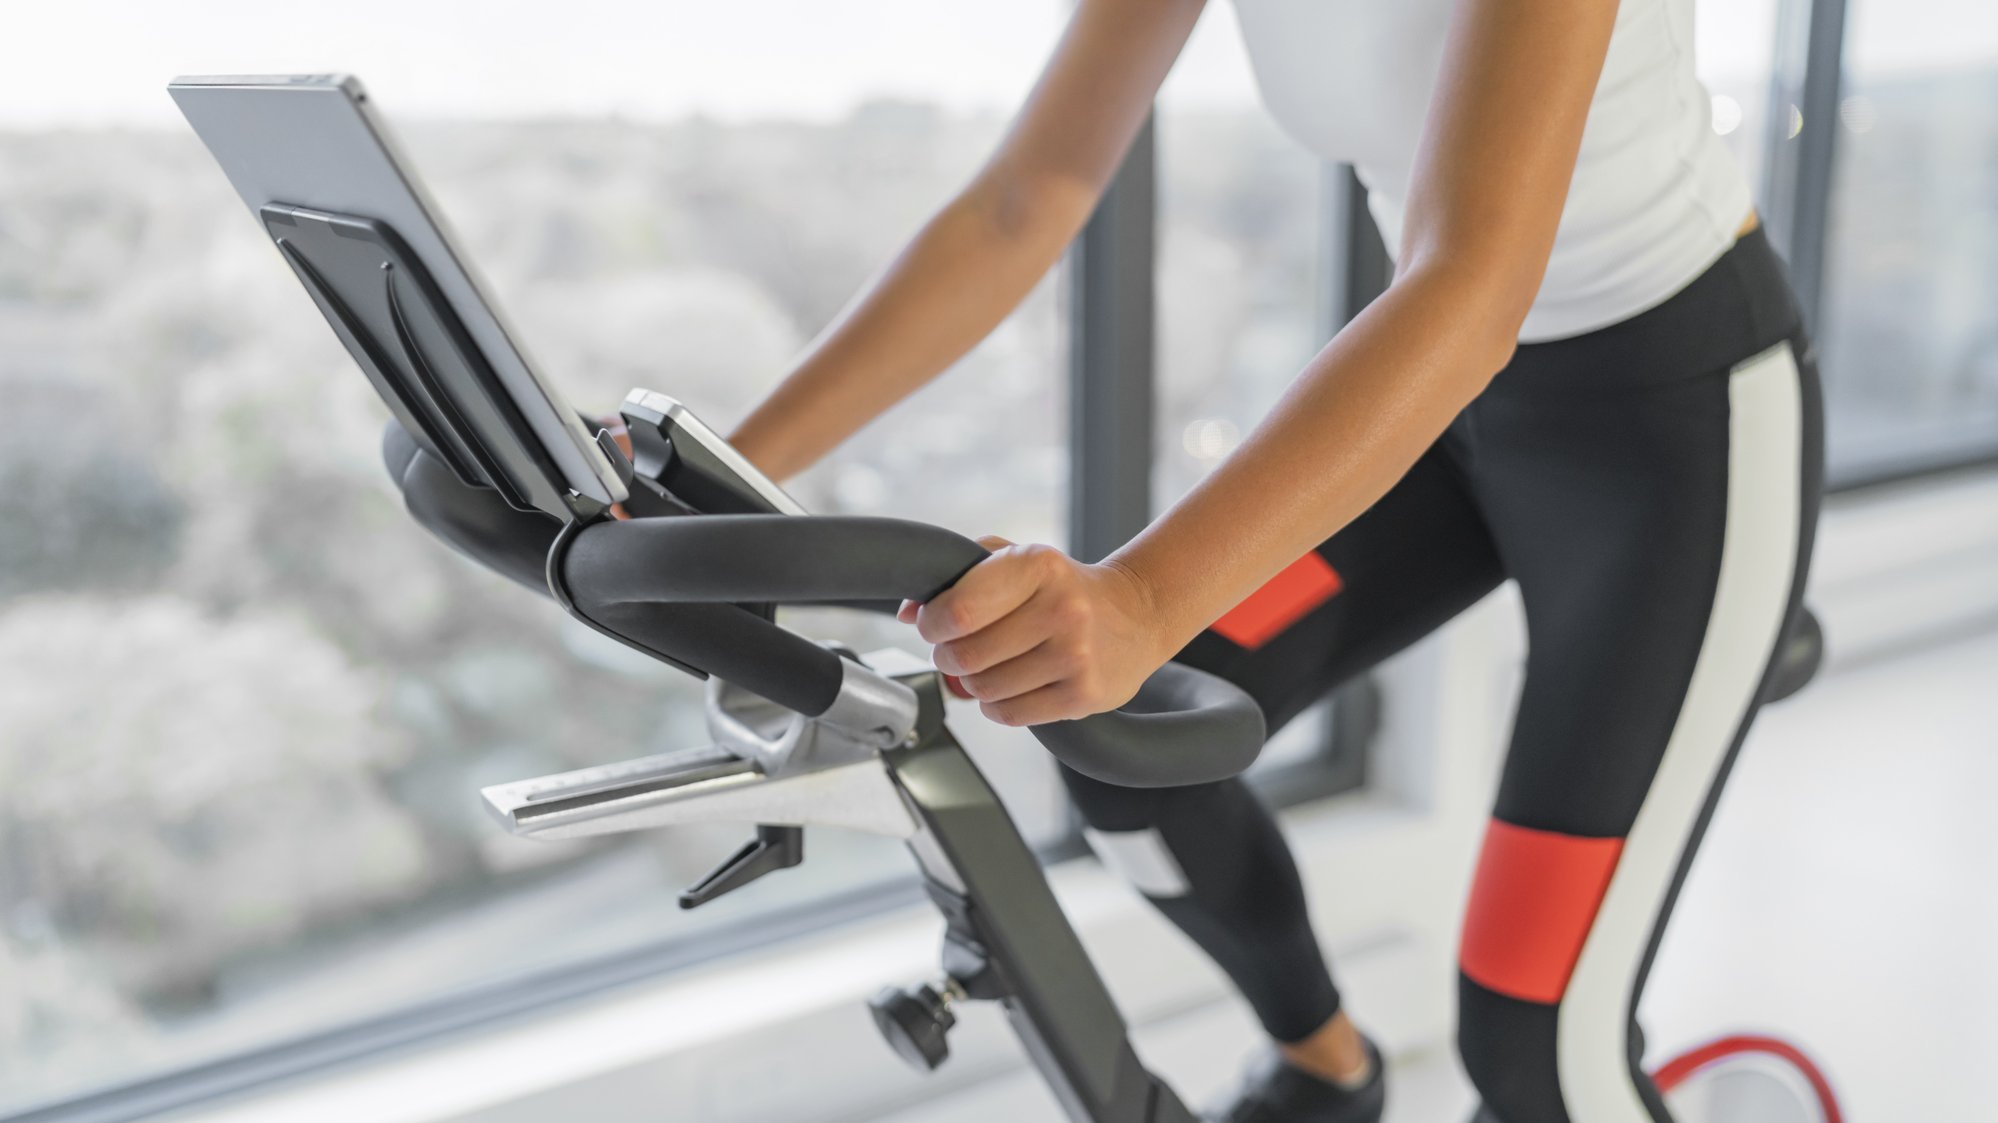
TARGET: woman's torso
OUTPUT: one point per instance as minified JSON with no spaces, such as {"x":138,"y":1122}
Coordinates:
{"x":1656,"y":196}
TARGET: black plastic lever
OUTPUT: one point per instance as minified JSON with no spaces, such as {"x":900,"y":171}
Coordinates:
{"x":773,"y":849}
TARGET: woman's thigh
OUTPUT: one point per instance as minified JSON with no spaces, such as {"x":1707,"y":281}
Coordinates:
{"x":1419,"y":556}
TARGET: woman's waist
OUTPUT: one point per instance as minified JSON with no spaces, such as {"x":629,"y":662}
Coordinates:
{"x":1738,"y":305}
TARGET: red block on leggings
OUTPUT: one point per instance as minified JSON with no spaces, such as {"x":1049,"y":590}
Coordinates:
{"x":1284,"y":599}
{"x":1534,"y":900}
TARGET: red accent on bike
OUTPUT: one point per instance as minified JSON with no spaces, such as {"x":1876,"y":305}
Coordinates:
{"x":1675,"y":1072}
{"x":1283,"y":600}
{"x":1531,"y":907}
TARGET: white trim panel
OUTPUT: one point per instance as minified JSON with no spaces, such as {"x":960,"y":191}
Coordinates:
{"x":1758,"y":561}
{"x":1142,"y":858}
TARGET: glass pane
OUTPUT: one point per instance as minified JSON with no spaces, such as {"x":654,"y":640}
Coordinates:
{"x":1239,"y":235}
{"x":1734,"y":42}
{"x":1910,"y":349}
{"x":245,"y":705}
{"x":1239,"y":288}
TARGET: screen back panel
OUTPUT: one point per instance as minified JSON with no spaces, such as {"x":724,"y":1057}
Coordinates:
{"x":314,"y":142}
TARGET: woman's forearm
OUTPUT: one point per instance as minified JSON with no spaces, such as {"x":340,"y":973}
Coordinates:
{"x":980,"y":256}
{"x":1352,"y":424}
{"x":962,"y":275}
{"x":1036,"y":636}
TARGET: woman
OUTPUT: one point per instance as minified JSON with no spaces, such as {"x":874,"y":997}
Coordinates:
{"x":1587,"y":376}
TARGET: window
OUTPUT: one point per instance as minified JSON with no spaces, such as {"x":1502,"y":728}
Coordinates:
{"x":1238,"y":263}
{"x":1242,"y":296}
{"x":245,"y":706}
{"x":1734,"y":43}
{"x":1910,"y":348}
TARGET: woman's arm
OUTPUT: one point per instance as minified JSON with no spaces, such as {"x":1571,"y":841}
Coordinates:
{"x":974,"y":262}
{"x":1038,"y":637}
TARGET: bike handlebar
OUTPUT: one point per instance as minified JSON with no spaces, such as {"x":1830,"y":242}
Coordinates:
{"x":673,"y":585}
{"x":1183,"y":727}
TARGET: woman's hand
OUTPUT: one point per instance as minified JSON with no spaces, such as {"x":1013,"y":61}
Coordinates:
{"x":1036,"y":636}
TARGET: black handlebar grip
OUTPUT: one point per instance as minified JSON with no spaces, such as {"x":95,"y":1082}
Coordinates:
{"x":1184,"y":726}
{"x":780,"y":559}
{"x":672,"y":586}
{"x":475,"y":521}
{"x":720,"y":639}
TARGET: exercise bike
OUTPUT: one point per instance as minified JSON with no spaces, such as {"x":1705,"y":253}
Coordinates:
{"x":706,"y":548}
{"x":810,"y":736}
{"x":879,"y":759}
{"x":883,"y":762}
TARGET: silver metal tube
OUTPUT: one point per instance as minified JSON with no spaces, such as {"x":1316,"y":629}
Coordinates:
{"x":860,"y":796}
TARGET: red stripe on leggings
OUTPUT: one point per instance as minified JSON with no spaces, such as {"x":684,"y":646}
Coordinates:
{"x":1534,"y":899}
{"x":1302,"y":586}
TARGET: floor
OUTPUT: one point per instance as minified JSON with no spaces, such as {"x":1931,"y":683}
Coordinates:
{"x":1847,"y":898}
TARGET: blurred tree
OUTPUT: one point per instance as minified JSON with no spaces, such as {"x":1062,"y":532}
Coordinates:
{"x":78,"y":510}
{"x":228,"y":801}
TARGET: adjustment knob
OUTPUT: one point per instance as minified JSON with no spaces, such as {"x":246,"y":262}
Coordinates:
{"x":1798,"y":656}
{"x":915,"y":1021}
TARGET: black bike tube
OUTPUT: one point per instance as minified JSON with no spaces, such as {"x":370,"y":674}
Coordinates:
{"x":1059,"y":1006}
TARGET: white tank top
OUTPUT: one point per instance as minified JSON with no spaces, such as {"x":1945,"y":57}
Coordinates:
{"x":1656,"y":196}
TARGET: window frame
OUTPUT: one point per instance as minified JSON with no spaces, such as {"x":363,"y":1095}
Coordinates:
{"x":1808,"y":72}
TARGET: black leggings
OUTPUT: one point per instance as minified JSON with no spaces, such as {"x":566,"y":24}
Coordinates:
{"x":1653,"y":488}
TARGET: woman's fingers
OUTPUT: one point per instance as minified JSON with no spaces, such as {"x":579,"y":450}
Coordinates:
{"x":1036,"y":707}
{"x":1016,"y":676}
{"x":992,"y":588}
{"x":1011,"y":636}
{"x":907,"y":612}
{"x":1036,"y":636}
{"x":614,"y":423}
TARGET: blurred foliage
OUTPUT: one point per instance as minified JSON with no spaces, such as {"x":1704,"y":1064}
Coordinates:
{"x":77,"y":513}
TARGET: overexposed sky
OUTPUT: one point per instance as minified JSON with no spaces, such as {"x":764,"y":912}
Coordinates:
{"x":70,"y":62}
{"x":109,"y":60}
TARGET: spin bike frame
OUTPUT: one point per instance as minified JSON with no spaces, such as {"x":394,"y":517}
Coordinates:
{"x":875,"y":758}
{"x":804,"y":735}
{"x":906,"y":777}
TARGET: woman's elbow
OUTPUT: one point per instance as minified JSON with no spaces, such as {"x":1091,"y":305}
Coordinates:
{"x":1487,"y":306}
{"x":1501,"y":340}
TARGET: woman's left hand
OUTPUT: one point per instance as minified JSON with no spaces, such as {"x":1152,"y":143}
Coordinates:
{"x":1036,"y":636}
{"x":614,"y":424}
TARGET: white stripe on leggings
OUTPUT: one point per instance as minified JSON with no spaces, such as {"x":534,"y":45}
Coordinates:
{"x":1142,"y":858}
{"x":1758,"y":561}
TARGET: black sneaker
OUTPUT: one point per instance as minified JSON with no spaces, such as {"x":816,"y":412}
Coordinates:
{"x":1275,"y":1092}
